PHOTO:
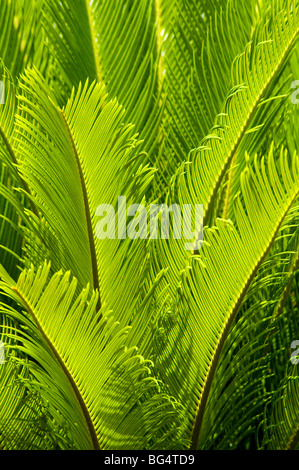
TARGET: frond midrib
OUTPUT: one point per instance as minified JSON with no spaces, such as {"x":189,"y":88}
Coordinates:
{"x":282,"y":301}
{"x":222,"y":338}
{"x":14,"y":162}
{"x":92,"y":248}
{"x":294,"y":440}
{"x":158,"y":11}
{"x":98,"y":70}
{"x":72,"y":381}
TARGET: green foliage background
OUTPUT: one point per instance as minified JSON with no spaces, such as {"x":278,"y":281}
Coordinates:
{"x":121,"y":344}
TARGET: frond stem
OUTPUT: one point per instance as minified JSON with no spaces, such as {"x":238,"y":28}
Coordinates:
{"x":15,"y":162}
{"x":294,"y":441}
{"x":96,"y":283}
{"x":159,"y":43}
{"x":98,"y":69}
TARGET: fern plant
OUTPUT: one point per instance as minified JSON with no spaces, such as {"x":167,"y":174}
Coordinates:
{"x":121,"y":343}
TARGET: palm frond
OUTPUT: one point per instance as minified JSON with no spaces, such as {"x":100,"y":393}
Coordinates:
{"x":83,"y":167}
{"x":82,"y":367}
{"x":251,"y":356}
{"x":228,"y":261}
{"x":21,"y":35}
{"x":117,"y":337}
{"x":282,"y":429}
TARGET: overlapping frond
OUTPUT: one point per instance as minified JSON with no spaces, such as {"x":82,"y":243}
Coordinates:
{"x":200,"y":178}
{"x":251,"y":364}
{"x":81,"y":365}
{"x":115,"y":43}
{"x":253,"y":74}
{"x":82,"y":166}
{"x":11,"y":204}
{"x":282,"y":429}
{"x":228,"y":262}
{"x":22,"y":36}
{"x":151,"y":101}
{"x":24,"y":421}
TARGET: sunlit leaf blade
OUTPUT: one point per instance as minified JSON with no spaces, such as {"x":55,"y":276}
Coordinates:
{"x":82,"y":367}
